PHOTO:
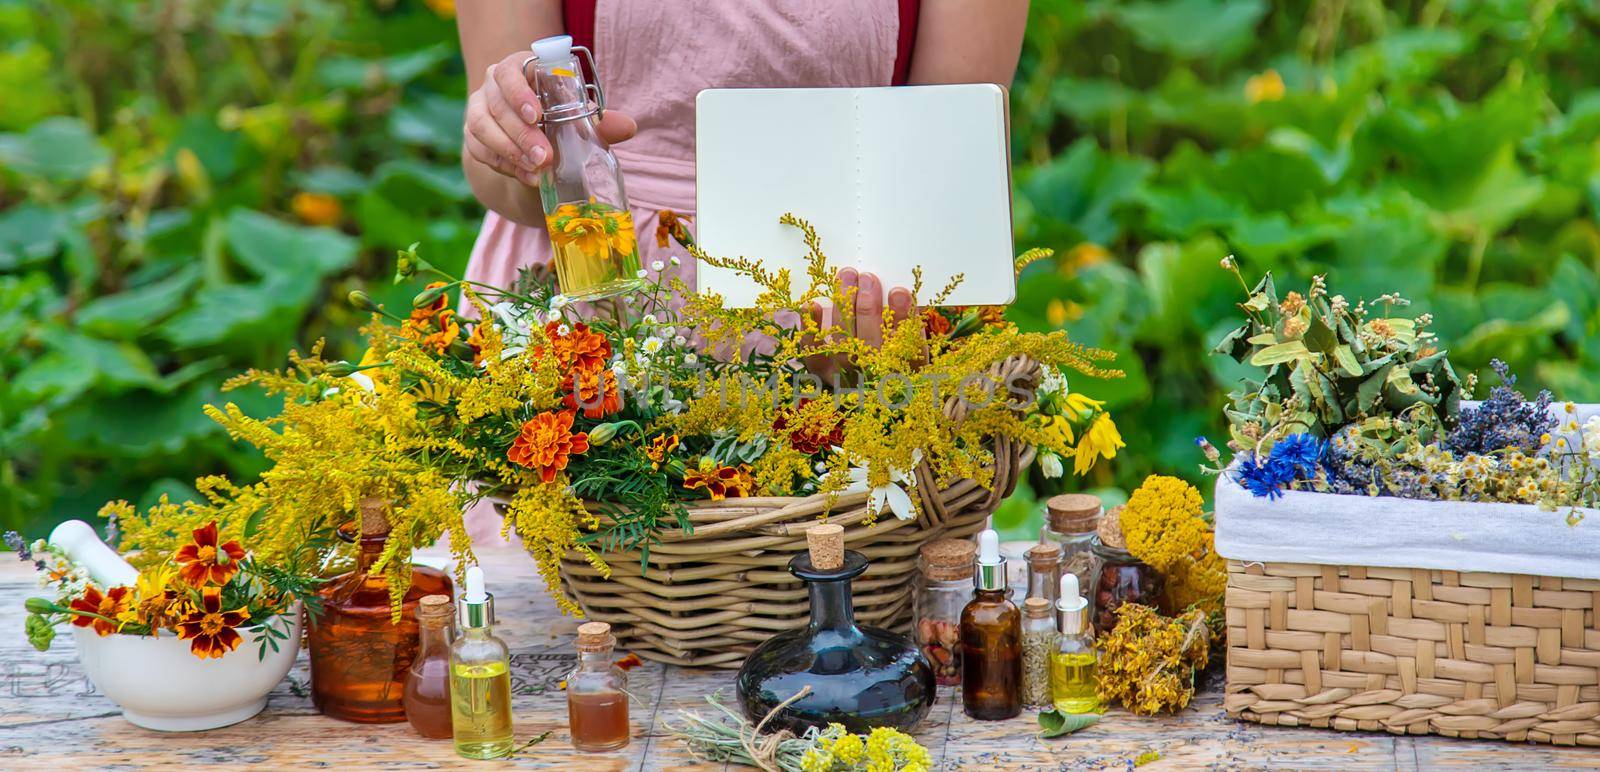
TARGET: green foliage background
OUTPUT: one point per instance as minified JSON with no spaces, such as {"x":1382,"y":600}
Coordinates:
{"x":151,"y":150}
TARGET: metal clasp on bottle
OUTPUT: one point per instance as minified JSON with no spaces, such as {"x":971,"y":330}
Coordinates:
{"x":594,"y":88}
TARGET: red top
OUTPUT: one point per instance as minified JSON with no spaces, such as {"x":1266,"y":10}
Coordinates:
{"x":578,"y":16}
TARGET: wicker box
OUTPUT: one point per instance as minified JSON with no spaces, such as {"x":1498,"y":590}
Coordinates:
{"x":1415,"y":651}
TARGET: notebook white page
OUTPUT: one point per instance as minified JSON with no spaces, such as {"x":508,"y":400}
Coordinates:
{"x":891,"y":178}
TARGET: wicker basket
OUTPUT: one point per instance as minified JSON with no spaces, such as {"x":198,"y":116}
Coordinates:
{"x":1415,"y":651}
{"x":710,"y":597}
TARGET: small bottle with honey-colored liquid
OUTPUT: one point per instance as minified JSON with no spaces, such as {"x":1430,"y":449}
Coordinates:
{"x":1073,"y":665}
{"x":480,"y":678}
{"x":597,"y":696}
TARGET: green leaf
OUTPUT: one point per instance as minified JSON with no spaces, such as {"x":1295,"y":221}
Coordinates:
{"x":128,"y":314}
{"x":1279,"y":354}
{"x":1319,"y":337}
{"x":59,"y":149}
{"x":1083,"y":187}
{"x":1054,"y":723}
{"x":265,"y":310}
{"x":430,"y":121}
{"x":1347,"y":361}
{"x":274,"y":248}
{"x":1193,"y":29}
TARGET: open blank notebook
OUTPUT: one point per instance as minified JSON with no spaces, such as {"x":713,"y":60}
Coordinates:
{"x":891,"y":178}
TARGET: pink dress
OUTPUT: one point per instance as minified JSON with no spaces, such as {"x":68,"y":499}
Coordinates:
{"x":654,"y":56}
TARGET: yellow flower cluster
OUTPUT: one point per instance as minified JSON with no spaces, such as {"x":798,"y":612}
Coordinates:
{"x":1148,"y":662}
{"x":1165,"y":527}
{"x":884,"y":750}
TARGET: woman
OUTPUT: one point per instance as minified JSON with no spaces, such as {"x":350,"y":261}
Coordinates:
{"x":655,"y":55}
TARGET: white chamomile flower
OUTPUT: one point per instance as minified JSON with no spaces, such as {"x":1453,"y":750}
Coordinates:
{"x":668,"y":331}
{"x":1050,"y":465}
{"x":559,"y":301}
{"x":657,"y":266}
{"x":649,"y":319}
{"x":679,"y":340}
{"x":553,"y":316}
{"x":651,"y":345}
{"x":563,"y":330}
{"x":892,"y":496}
{"x":674,"y":260}
{"x":691,"y":360}
{"x":640,"y":273}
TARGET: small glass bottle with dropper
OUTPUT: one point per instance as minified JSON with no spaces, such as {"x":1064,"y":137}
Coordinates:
{"x":991,"y":640}
{"x":480,"y":678}
{"x":1073,"y":664}
{"x":597,"y":697}
{"x":427,"y":692}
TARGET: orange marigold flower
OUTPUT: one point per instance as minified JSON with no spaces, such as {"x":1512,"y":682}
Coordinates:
{"x":659,"y":448}
{"x":210,"y":628}
{"x":721,"y":481}
{"x":316,"y":208}
{"x":442,"y":332}
{"x":205,"y":561}
{"x":670,"y":225}
{"x":545,"y":443}
{"x":580,"y":349}
{"x":419,"y":315}
{"x":935,"y":323}
{"x":109,"y":605}
{"x":588,"y":396}
{"x":587,"y":232}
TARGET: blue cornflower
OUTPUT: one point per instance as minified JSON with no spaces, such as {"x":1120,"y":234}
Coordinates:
{"x":1264,"y":477}
{"x":1301,"y":451}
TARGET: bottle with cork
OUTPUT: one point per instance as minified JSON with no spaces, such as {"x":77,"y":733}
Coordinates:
{"x":1071,"y":520}
{"x":427,"y":694}
{"x":945,"y":588}
{"x":1038,"y":643}
{"x":834,"y":670}
{"x":360,"y":656}
{"x":991,"y":640}
{"x":597,"y":693}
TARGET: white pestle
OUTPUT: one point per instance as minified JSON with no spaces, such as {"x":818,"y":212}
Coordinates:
{"x":85,"y":548}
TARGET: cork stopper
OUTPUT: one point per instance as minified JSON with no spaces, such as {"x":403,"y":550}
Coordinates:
{"x":595,"y":636}
{"x":1037,"y":608}
{"x":827,"y":546}
{"x":434,"y":608}
{"x":1073,"y":512}
{"x":948,"y":560}
{"x":1042,"y":556}
{"x":1110,"y":530}
{"x":373,"y":520}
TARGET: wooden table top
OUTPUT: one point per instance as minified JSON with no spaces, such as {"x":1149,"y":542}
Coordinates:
{"x":51,"y":716}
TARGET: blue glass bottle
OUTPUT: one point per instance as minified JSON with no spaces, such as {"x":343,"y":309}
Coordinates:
{"x":859,"y":676}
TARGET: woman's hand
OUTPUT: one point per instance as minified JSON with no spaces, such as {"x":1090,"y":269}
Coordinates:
{"x":502,"y":123}
{"x":864,"y":318}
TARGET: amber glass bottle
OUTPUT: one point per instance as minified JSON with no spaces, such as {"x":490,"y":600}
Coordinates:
{"x":359,"y":656}
{"x":991,"y":640}
{"x":427,"y":695}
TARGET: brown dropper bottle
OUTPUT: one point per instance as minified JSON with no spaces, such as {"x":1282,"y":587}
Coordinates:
{"x":991,"y":640}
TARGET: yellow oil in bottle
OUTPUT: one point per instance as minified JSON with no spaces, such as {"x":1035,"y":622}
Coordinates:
{"x":1073,"y":681}
{"x":480,"y":699}
{"x":596,"y":250}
